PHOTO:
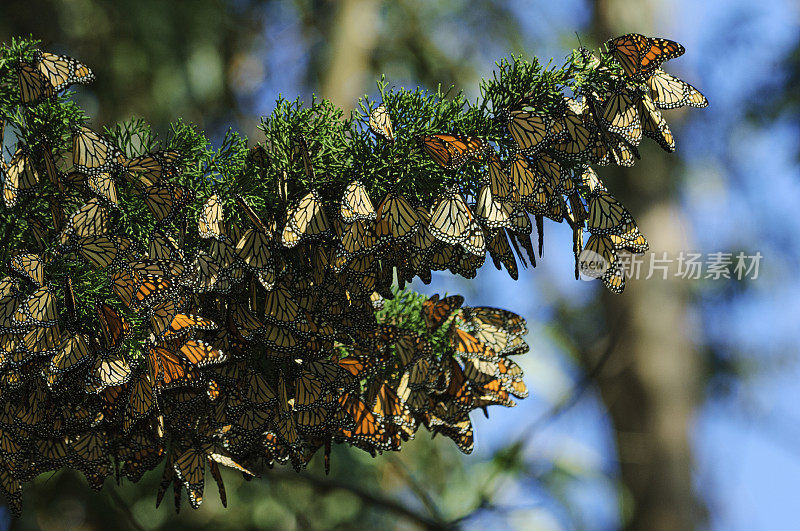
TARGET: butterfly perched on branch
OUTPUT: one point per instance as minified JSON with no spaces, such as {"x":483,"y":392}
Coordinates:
{"x":640,"y":55}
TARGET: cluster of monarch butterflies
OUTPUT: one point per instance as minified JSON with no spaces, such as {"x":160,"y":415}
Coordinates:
{"x":588,"y":129}
{"x":260,"y":342}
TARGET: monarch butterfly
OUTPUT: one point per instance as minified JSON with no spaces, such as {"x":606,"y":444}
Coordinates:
{"x":206,"y":272}
{"x":140,"y":401}
{"x":74,"y":349}
{"x":608,"y":150}
{"x":536,"y":192}
{"x":436,"y":312}
{"x":410,"y":347}
{"x":52,"y":74}
{"x":589,"y":58}
{"x":306,"y":221}
{"x":483,"y":317}
{"x":590,"y":179}
{"x":255,"y":249}
{"x":397,"y":220}
{"x":357,"y":366}
{"x":440,"y":256}
{"x":258,"y":156}
{"x":140,"y":290}
{"x":599,"y":260}
{"x":578,"y":136}
{"x":640,"y":55}
{"x":49,"y":164}
{"x":357,"y":239}
{"x":312,"y":421}
{"x":523,"y":178}
{"x":11,"y":487}
{"x":500,"y":251}
{"x":209,"y":225}
{"x":251,"y":214}
{"x":30,"y":266}
{"x":33,"y":87}
{"x":507,"y":371}
{"x":548,"y":168}
{"x":356,"y":204}
{"x":519,"y":234}
{"x":110,"y":369}
{"x":103,"y":186}
{"x":459,"y":430}
{"x":18,"y":176}
{"x":467,"y":345}
{"x":620,"y":116}
{"x":201,"y":353}
{"x":654,"y":125}
{"x":467,"y":264}
{"x":168,"y":269}
{"x":497,"y":179}
{"x":190,"y":467}
{"x":152,"y":167}
{"x":286,"y":426}
{"x":165,"y":201}
{"x":102,"y":251}
{"x":162,"y":315}
{"x":285,"y":423}
{"x":606,"y":214}
{"x":184,"y":323}
{"x":548,"y":199}
{"x":377,"y":300}
{"x":530,"y":130}
{"x":163,"y":246}
{"x":113,"y":326}
{"x":458,"y":387}
{"x":368,"y":432}
{"x":308,"y":390}
{"x":169,"y":369}
{"x":387,"y":407}
{"x":669,"y":92}
{"x":91,"y":153}
{"x":627,"y":236}
{"x":252,"y":421}
{"x":37,"y":310}
{"x":451,"y":151}
{"x":245,"y":322}
{"x":257,"y":391}
{"x":452,"y":222}
{"x":412,"y":388}
{"x":501,"y":339}
{"x":280,"y":306}
{"x":492,"y":392}
{"x":381,"y":123}
{"x":41,"y":341}
{"x":52,"y":451}
{"x":90,"y":447}
{"x":280,"y":339}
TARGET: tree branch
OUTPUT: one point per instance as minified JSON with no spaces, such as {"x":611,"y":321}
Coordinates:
{"x":327,"y":485}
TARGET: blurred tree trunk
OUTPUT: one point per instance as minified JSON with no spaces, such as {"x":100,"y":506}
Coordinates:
{"x":352,"y":39}
{"x":653,"y":380}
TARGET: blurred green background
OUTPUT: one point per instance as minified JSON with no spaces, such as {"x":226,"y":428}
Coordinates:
{"x":672,"y":406}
